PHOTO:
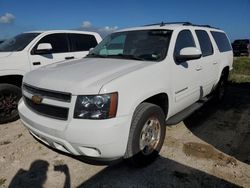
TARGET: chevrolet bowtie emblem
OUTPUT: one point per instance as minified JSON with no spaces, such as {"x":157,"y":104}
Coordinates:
{"x":36,"y":99}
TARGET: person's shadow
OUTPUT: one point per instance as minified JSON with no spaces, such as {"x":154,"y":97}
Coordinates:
{"x":37,"y":175}
{"x":34,"y":177}
{"x":64,"y":169}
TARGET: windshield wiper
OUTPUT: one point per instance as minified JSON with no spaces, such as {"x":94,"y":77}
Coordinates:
{"x":125,"y":56}
{"x":96,"y":55}
{"x":117,"y":55}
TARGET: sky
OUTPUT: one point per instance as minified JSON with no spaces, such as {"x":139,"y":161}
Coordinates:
{"x":233,"y":16}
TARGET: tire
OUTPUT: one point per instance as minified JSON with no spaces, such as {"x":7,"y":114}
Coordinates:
{"x":221,"y":88}
{"x":9,"y":98}
{"x":145,"y":116}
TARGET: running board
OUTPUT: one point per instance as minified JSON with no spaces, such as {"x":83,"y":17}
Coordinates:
{"x":177,"y":118}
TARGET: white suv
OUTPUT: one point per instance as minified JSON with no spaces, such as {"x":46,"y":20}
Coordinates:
{"x":116,"y":102}
{"x":31,"y":50}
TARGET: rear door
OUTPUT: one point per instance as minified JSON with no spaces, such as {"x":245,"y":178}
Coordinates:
{"x":209,"y":67}
{"x":60,"y":50}
{"x":81,"y":44}
{"x":223,"y":50}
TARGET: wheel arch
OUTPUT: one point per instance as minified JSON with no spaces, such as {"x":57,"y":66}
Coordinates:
{"x":159,"y":99}
{"x":12,"y":79}
{"x":225,"y":72}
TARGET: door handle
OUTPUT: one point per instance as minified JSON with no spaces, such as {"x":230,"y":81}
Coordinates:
{"x":215,"y":63}
{"x":71,"y":57}
{"x":36,"y":63}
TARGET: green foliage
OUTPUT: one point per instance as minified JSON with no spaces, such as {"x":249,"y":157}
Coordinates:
{"x":241,"y":70}
{"x":242,"y":65}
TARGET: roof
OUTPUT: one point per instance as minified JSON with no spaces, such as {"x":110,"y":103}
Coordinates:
{"x":171,"y":26}
{"x":62,"y":31}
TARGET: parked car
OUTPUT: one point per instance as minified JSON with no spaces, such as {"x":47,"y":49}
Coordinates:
{"x":28,"y":51}
{"x":116,"y":102}
{"x":241,"y":47}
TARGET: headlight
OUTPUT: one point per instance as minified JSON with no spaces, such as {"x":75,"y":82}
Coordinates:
{"x":101,"y":106}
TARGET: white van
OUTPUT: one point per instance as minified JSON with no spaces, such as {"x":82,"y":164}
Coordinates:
{"x":30,"y":50}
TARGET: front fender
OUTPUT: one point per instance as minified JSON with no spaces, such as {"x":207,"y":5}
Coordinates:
{"x":8,"y":72}
{"x":135,"y":87}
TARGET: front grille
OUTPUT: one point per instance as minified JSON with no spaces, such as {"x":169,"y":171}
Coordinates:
{"x":55,"y":112}
{"x":56,"y":95}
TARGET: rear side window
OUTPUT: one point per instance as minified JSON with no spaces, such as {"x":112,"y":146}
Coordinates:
{"x":59,"y":42}
{"x":184,"y":39}
{"x":205,"y":43}
{"x":221,"y":41}
{"x":82,"y":42}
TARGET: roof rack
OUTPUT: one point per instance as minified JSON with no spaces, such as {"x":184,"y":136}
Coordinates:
{"x":198,"y":25}
{"x":181,"y":23}
{"x":168,"y":23}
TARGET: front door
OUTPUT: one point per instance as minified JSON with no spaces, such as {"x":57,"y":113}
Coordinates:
{"x":60,"y":51}
{"x":186,"y":88}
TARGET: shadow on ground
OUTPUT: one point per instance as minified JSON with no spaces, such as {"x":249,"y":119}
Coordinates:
{"x":226,"y":125}
{"x":36,"y":176}
{"x":162,"y":173}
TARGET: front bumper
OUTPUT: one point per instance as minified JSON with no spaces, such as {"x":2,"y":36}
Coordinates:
{"x":92,"y":138}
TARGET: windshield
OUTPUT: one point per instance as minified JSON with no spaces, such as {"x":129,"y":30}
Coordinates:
{"x":18,"y":42}
{"x":146,"y":45}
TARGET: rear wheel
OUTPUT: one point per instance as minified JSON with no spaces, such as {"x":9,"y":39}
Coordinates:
{"x":147,"y":134}
{"x":9,"y":98}
{"x":221,"y":87}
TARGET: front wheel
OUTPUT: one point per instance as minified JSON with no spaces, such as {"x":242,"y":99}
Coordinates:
{"x":147,"y":134}
{"x":9,"y":98}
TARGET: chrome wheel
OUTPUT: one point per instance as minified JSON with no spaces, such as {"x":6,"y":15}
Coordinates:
{"x":150,"y":136}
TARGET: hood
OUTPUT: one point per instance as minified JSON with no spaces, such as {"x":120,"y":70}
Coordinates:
{"x":84,"y":76}
{"x":5,"y":54}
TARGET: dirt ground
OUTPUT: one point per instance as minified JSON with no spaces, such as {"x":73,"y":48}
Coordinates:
{"x":211,"y":148}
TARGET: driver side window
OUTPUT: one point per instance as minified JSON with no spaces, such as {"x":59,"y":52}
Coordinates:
{"x":184,"y":39}
{"x":59,"y":42}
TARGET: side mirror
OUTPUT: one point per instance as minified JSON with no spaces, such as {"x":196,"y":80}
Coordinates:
{"x":188,"y":53}
{"x":91,"y":50}
{"x":43,"y":48}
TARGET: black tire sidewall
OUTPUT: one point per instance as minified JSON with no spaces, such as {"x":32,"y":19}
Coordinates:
{"x":222,"y":84}
{"x":138,"y":158}
{"x":221,"y":88}
{"x":8,"y":88}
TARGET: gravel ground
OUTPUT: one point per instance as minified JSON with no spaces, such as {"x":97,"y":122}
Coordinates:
{"x":211,"y":148}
